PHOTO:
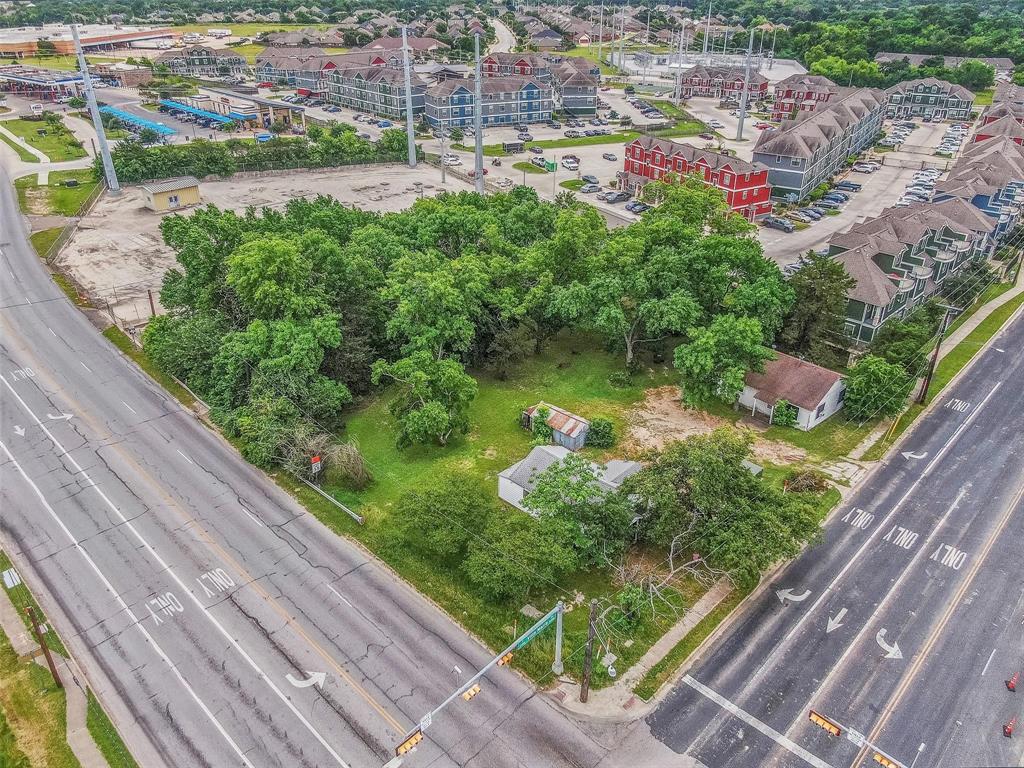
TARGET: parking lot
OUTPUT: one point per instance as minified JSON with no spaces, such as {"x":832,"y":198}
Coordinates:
{"x":118,"y":255}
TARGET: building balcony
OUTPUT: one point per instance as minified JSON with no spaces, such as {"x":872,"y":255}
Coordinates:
{"x":922,"y":272}
{"x":943,"y":257}
{"x":904,"y":284}
{"x":962,"y":246}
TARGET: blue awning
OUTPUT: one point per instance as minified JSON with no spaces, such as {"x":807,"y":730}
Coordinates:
{"x":196,"y":112}
{"x":242,"y":115}
{"x":141,"y":122}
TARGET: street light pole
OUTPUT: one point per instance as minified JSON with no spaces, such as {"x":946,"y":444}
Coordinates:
{"x":94,"y":111}
{"x":410,"y":127}
{"x":478,"y":127}
{"x":746,"y":86}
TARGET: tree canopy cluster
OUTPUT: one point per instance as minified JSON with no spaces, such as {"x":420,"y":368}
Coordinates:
{"x":284,"y":317}
{"x":695,"y":499}
{"x":135,"y":162}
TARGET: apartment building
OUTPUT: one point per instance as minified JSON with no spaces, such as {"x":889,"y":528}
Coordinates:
{"x":721,"y":83}
{"x":989,"y":175}
{"x":307,"y":69}
{"x":574,"y":80}
{"x":801,"y":154}
{"x":929,"y":97}
{"x":745,"y":185}
{"x":901,"y":258}
{"x":376,"y":90}
{"x":801,"y":93}
{"x":506,"y":101}
{"x":201,"y":61}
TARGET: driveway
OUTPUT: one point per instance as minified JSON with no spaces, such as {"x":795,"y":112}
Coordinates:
{"x":505,"y":41}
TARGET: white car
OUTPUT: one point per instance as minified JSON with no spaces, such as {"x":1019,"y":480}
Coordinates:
{"x":451,"y":159}
{"x":716,"y":123}
{"x":570,"y":165}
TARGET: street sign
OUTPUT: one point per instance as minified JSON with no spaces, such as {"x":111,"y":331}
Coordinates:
{"x":525,"y":639}
{"x":315,"y":465}
{"x":855,"y":737}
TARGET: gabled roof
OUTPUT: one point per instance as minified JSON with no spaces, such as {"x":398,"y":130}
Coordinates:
{"x":694,"y":156}
{"x":561,"y":420}
{"x":802,"y":136}
{"x":872,"y":286}
{"x":797,"y":381}
{"x":1004,"y":126}
{"x":524,"y":473}
{"x":722,"y":73}
{"x":952,"y":89}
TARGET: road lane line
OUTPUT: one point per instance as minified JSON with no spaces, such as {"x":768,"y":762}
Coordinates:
{"x":170,"y":572}
{"x":919,"y":659}
{"x":749,"y":719}
{"x":87,"y":368}
{"x":128,"y":611}
{"x":883,"y":525}
{"x":990,"y":657}
{"x":186,"y":458}
{"x":922,"y":551}
{"x":130,"y":408}
{"x":51,"y":331}
{"x":346,"y":602}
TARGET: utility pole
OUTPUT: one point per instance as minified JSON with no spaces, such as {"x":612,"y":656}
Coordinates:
{"x":707,"y":32}
{"x":771,"y":59}
{"x":600,"y":34}
{"x":746,"y":86}
{"x":622,"y":42}
{"x":478,"y":123}
{"x":42,"y":644}
{"x":94,"y":111}
{"x":588,"y":659}
{"x":557,"y":666}
{"x":679,"y":72}
{"x":923,"y":396}
{"x":410,"y":127}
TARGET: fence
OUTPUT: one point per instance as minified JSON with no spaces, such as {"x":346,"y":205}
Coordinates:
{"x":69,"y":228}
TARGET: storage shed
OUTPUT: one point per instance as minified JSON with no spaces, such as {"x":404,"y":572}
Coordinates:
{"x":170,"y":194}
{"x":568,"y":429}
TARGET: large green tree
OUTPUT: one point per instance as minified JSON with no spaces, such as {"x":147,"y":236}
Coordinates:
{"x":713,"y":363}
{"x":816,"y":319}
{"x":876,"y":388}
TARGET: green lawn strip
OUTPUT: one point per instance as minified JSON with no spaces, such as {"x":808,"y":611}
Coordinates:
{"x":151,"y":106}
{"x":22,"y":599}
{"x":948,"y":367}
{"x":669,"y":109}
{"x":573,"y":184}
{"x":663,"y":670}
{"x":107,"y":739}
{"x":54,"y":198}
{"x":58,"y":143}
{"x":250,"y":51}
{"x":44,"y":238}
{"x":23,"y":154}
{"x":587,"y":53}
{"x":990,"y":293}
{"x":247,"y":29}
{"x":528,"y":167}
{"x":123,"y":343}
{"x":10,"y":755}
{"x":34,"y":710}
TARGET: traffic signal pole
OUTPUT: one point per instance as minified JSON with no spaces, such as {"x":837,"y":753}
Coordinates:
{"x":470,"y":688}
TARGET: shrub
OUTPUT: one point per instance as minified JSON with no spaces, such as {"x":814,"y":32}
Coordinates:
{"x":785,"y":414}
{"x":542,"y":431}
{"x":620,"y":380}
{"x":601,"y":433}
{"x":807,"y":480}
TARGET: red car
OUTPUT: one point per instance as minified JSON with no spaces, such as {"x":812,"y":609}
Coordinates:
{"x":472,"y":173}
{"x":264,"y":85}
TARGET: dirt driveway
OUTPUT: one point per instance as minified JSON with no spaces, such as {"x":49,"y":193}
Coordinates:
{"x":662,"y":419}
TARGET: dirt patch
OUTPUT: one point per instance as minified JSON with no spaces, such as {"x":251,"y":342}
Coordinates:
{"x":662,"y":419}
{"x":37,"y":200}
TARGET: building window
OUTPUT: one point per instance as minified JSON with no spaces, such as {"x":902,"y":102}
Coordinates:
{"x":820,"y":412}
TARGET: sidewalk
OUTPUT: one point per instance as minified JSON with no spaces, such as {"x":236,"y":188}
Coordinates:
{"x":617,"y":702}
{"x":77,"y":732}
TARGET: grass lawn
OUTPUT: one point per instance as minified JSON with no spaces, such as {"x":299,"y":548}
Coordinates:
{"x":44,"y":238}
{"x":106,"y":736}
{"x":22,"y":599}
{"x":250,"y":51}
{"x":54,"y":198}
{"x":151,"y":106}
{"x":528,"y":168}
{"x":246,"y":30}
{"x":587,"y":53}
{"x":984,"y":98}
{"x":60,"y":61}
{"x":23,"y":154}
{"x":669,"y":109}
{"x":58,"y":143}
{"x":948,"y":367}
{"x":573,"y":184}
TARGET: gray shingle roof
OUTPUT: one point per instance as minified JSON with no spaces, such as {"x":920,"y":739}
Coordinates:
{"x":169,"y":185}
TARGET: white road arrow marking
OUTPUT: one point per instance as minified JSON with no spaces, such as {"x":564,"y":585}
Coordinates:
{"x":315,"y":678}
{"x":63,"y":416}
{"x":837,"y":622}
{"x":908,"y":455}
{"x":787,"y":594}
{"x":891,"y":651}
{"x":19,"y":430}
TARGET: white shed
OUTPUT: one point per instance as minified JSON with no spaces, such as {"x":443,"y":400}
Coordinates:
{"x":816,"y":392}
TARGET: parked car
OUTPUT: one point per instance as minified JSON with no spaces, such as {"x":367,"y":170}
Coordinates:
{"x":777,"y":222}
{"x":525,"y":137}
{"x":472,"y":173}
{"x":451,"y":159}
{"x":716,"y":123}
{"x":844,"y":196}
{"x":801,"y":217}
{"x":589,"y":188}
{"x":706,"y":136}
{"x":569,"y":164}
{"x":540,"y":162}
{"x":384,"y":123}
{"x":617,"y":197}
{"x":610,"y":156}
{"x":572,"y":134}
{"x":811,"y":212}
{"x":505,"y":183}
{"x":830,"y":205}
{"x":848,"y":186}
{"x":637,"y":206}
{"x":589,"y":178}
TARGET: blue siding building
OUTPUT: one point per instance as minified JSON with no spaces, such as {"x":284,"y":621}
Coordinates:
{"x":506,"y":101}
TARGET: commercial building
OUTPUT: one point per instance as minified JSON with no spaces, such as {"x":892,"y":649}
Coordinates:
{"x":121,"y":74}
{"x":202,"y":61}
{"x":172,"y":194}
{"x":506,"y":101}
{"x":903,"y":257}
{"x":57,"y":38}
{"x":1001,"y":65}
{"x":801,"y":154}
{"x":745,"y":185}
{"x":801,"y":93}
{"x":419,"y":47}
{"x":721,"y":83}
{"x":929,"y":98}
{"x":39,"y":83}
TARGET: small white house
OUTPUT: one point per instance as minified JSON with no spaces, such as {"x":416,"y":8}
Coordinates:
{"x":816,"y":392}
{"x":519,"y":479}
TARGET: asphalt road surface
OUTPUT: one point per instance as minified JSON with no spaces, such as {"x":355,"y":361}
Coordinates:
{"x":903,"y":624}
{"x":202,"y":601}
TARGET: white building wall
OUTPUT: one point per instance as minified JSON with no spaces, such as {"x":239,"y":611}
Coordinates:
{"x":511,"y":493}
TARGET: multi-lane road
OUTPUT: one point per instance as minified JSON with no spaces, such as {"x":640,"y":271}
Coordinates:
{"x":222,"y":623}
{"x":903,"y":624}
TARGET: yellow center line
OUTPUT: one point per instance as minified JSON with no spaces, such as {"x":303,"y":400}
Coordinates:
{"x":919,"y":659}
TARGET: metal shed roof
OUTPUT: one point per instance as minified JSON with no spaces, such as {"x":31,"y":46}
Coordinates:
{"x":169,"y":185}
